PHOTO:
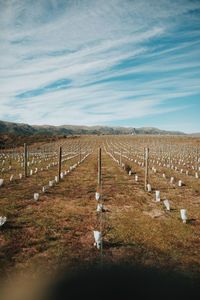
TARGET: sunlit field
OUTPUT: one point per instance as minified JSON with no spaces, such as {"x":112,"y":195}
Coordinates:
{"x":49,"y":216}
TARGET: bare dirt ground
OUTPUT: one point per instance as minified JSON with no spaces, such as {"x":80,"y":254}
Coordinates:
{"x":56,"y":232}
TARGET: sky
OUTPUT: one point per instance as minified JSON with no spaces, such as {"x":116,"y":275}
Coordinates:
{"x":101,"y":62}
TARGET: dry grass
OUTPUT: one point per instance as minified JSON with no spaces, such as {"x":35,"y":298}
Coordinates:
{"x":57,"y":230}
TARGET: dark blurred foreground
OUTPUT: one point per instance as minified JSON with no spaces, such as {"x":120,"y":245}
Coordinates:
{"x":122,"y":282}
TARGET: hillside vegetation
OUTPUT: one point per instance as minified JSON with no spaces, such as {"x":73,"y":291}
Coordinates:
{"x":25,"y":129}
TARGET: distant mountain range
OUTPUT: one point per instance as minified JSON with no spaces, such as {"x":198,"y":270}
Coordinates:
{"x":25,"y":129}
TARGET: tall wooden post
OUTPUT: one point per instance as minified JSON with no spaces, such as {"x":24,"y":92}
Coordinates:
{"x":197,"y":159}
{"x":80,"y":153}
{"x":99,"y":167}
{"x":146,"y":180}
{"x":170,"y":148}
{"x":25,"y":160}
{"x":120,"y":158}
{"x":59,"y":162}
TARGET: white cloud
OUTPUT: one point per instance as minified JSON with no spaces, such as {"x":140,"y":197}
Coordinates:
{"x":87,"y":43}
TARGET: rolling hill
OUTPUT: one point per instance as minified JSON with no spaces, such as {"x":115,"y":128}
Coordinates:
{"x":25,"y":129}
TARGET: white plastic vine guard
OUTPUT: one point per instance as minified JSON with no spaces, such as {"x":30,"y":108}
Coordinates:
{"x":97,"y":196}
{"x":148,"y":187}
{"x":166,"y":204}
{"x":51,"y":183}
{"x":157,"y":196}
{"x":180,"y":183}
{"x":183,"y":215}
{"x":97,"y":238}
{"x":100,"y":207}
{"x":36,"y":196}
{"x":2,"y":220}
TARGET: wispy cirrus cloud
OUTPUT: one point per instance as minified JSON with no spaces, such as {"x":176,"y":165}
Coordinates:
{"x":98,"y":62}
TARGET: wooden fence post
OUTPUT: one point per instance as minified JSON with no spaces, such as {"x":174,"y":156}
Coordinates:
{"x":99,"y":167}
{"x":197,"y":159}
{"x":146,"y":181}
{"x":80,"y":153}
{"x":59,"y":162}
{"x":25,"y":159}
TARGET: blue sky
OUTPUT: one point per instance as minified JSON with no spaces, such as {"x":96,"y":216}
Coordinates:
{"x":100,"y":62}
